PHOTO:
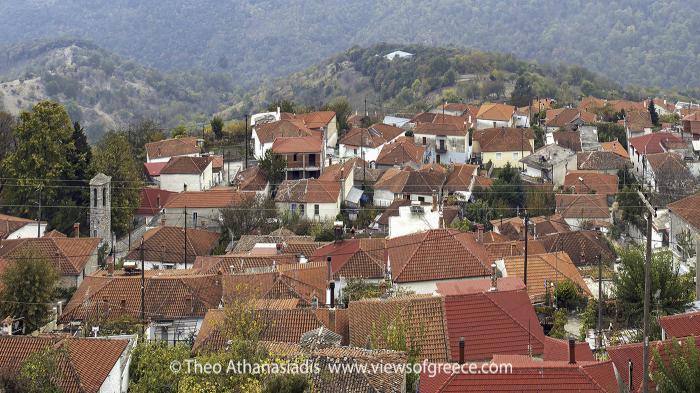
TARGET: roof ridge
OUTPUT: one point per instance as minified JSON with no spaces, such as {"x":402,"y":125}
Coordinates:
{"x":527,"y":330}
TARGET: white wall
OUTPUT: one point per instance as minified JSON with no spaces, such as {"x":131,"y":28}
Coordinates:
{"x":407,"y":223}
{"x":182,"y":328}
{"x":28,"y":231}
{"x":195,"y":182}
{"x":430,"y":287}
{"x":370,"y":154}
{"x":166,"y":159}
{"x":383,"y":197}
{"x":483,"y":124}
{"x":176,"y":217}
{"x":327,"y":211}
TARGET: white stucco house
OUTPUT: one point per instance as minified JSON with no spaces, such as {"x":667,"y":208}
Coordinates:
{"x":311,"y":198}
{"x":187,"y":174}
{"x":163,"y":151}
{"x":20,"y":228}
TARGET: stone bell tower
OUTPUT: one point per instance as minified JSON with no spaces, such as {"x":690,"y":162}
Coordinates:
{"x":100,"y":208}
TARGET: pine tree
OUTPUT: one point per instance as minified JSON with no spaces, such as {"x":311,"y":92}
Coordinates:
{"x":653,"y":114}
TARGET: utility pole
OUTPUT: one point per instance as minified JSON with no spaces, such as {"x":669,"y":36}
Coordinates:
{"x":38,"y":219}
{"x":600,"y":303}
{"x":143,"y":292}
{"x":647,"y":292}
{"x":246,"y":141}
{"x":185,"y":237}
{"x":527,"y":219}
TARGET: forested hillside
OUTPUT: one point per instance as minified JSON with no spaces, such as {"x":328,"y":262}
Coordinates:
{"x":429,"y":77}
{"x":649,"y":43}
{"x":103,"y":91}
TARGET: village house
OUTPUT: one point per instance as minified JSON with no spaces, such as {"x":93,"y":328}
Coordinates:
{"x":640,"y":146}
{"x":570,"y":118}
{"x":416,"y":217}
{"x":402,"y":152}
{"x":87,"y":365}
{"x":669,"y":169}
{"x":406,"y":183}
{"x":444,"y":143}
{"x":163,"y":151}
{"x":264,"y":134}
{"x":591,"y":182}
{"x":685,"y":224}
{"x":691,"y":125}
{"x":460,"y":180}
{"x":75,"y":257}
{"x":411,"y":259}
{"x":615,"y":147}
{"x":494,"y":116}
{"x":311,"y":198}
{"x":324,"y":123}
{"x":170,"y":248}
{"x":305,"y":156}
{"x":187,"y":174}
{"x":502,"y":146}
{"x":174,"y":306}
{"x":202,"y":209}
{"x":584,"y":211}
{"x":344,"y":174}
{"x":366,"y":143}
{"x":637,"y":123}
{"x":602,"y":162}
{"x":544,"y":272}
{"x":20,"y":228}
{"x":686,"y":324}
{"x":514,"y":228}
{"x":550,"y":163}
{"x":582,"y":246}
{"x":152,"y":202}
{"x":570,"y":139}
{"x":252,"y":179}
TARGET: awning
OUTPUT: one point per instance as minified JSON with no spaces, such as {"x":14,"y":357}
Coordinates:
{"x":354,"y":195}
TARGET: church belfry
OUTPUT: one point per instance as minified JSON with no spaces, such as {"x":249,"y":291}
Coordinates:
{"x":101,"y":208}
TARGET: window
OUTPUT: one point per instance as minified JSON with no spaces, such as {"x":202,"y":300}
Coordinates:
{"x":94,"y":197}
{"x":355,"y":151}
{"x":104,"y":197}
{"x":424,"y":140}
{"x":294,"y":207}
{"x":294,"y":157}
{"x":194,"y":218}
{"x":515,"y":154}
{"x":301,"y":209}
{"x":316,"y":210}
{"x":421,"y":199}
{"x":498,"y":156}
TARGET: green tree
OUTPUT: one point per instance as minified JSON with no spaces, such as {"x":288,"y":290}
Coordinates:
{"x":239,"y":220}
{"x":7,"y":137}
{"x":522,"y":94}
{"x":40,"y":371}
{"x":652,"y":112}
{"x":47,"y":130}
{"x":341,"y":107}
{"x":141,"y":132}
{"x":631,"y":206}
{"x":27,"y":289}
{"x":273,"y":166}
{"x":150,"y":367}
{"x":180,"y":131}
{"x":357,"y":289}
{"x":113,"y":157}
{"x":679,"y":370}
{"x":560,"y":320}
{"x":567,"y":294}
{"x":217,"y":126}
{"x":284,"y":106}
{"x":675,"y":291}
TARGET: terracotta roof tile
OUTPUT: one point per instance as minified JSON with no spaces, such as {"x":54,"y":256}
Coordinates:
{"x":581,"y":246}
{"x":374,"y":136}
{"x":186,"y":165}
{"x":251,"y":179}
{"x":412,"y":257}
{"x":300,"y":144}
{"x":153,"y":168}
{"x":502,"y":139}
{"x":240,"y":263}
{"x":423,"y":317}
{"x":570,"y":139}
{"x":401,"y":151}
{"x":601,"y":161}
{"x":668,"y":165}
{"x":652,"y":143}
{"x":166,"y":243}
{"x":545,"y":268}
{"x":312,"y":120}
{"x":440,"y":129}
{"x":586,"y":206}
{"x":688,"y":209}
{"x":408,"y":181}
{"x":152,"y":200}
{"x":565,"y":116}
{"x":247,"y":242}
{"x":9,"y":224}
{"x":615,"y":147}
{"x":491,"y":322}
{"x":460,"y":178}
{"x":638,"y":121}
{"x":681,"y":325}
{"x":499,"y":112}
{"x":268,"y":132}
{"x":308,"y":191}
{"x":172,"y":147}
{"x":215,"y":198}
{"x":354,"y":258}
{"x":71,"y":254}
{"x":584,"y":182}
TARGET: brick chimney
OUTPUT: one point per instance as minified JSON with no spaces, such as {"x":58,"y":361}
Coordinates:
{"x":461,"y":350}
{"x":572,"y":351}
{"x":480,"y":233}
{"x":494,"y":279}
{"x":110,"y":268}
{"x":434,"y":200}
{"x":76,"y":229}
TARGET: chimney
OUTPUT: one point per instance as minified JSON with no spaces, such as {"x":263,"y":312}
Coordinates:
{"x":331,"y":291}
{"x":76,"y":229}
{"x":110,"y":268}
{"x":572,"y":351}
{"x":434,"y":200}
{"x":480,"y":233}
{"x":461,"y":350}
{"x":303,"y":259}
{"x":494,"y":279}
{"x":441,"y":221}
{"x":330,"y":270}
{"x":184,"y":187}
{"x":278,"y":247}
{"x":338,"y":231}
{"x":630,"y":368}
{"x":162,"y":221}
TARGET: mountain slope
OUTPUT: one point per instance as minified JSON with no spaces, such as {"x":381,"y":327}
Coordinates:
{"x":100,"y":89}
{"x":634,"y":41}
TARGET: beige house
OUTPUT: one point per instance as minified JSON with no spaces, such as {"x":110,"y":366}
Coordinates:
{"x":503,"y":145}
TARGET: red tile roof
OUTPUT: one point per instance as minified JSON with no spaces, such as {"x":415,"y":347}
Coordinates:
{"x":354,"y":258}
{"x":499,"y":112}
{"x":423,"y":316}
{"x":268,"y":132}
{"x":492,"y":322}
{"x":412,"y":257}
{"x":251,"y":179}
{"x":584,"y":182}
{"x":638,"y":121}
{"x":69,"y":253}
{"x":308,"y":191}
{"x":167,"y":244}
{"x":565,"y":116}
{"x":688,"y":209}
{"x":601,"y":161}
{"x":583,"y":247}
{"x":83,"y":367}
{"x":557,"y":349}
{"x":615,"y":147}
{"x":460,"y":177}
{"x":152,"y":200}
{"x":503,"y":139}
{"x":408,"y":181}
{"x":172,"y":147}
{"x":544,"y":269}
{"x":440,"y":129}
{"x":299,"y":144}
{"x":215,"y":198}
{"x":585,"y":206}
{"x":652,"y":143}
{"x":681,"y":325}
{"x":153,"y":168}
{"x":403,"y":150}
{"x":374,"y":136}
{"x":312,"y":120}
{"x":186,"y":165}
{"x":9,"y":224}
{"x":570,"y":139}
